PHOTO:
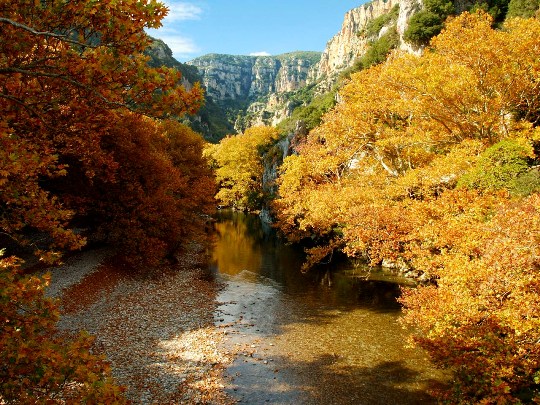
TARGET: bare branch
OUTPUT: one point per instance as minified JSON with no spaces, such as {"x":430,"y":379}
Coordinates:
{"x":61,"y":37}
{"x":22,"y":103}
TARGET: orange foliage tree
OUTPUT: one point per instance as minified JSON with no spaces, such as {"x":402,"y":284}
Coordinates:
{"x":38,"y":366}
{"x":161,"y":192}
{"x":76,"y":149}
{"x":65,"y":68}
{"x":430,"y":163}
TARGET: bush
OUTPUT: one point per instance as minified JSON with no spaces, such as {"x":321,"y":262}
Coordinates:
{"x":429,"y":22}
{"x":523,"y":8}
{"x":379,"y":50}
{"x":423,"y":26}
{"x":499,"y":167}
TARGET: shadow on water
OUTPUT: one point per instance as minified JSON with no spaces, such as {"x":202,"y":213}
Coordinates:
{"x":385,"y":383}
{"x":329,"y":336}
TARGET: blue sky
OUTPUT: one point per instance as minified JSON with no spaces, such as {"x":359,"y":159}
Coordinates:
{"x":243,"y":27}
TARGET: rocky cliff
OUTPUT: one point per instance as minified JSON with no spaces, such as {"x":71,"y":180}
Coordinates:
{"x":348,"y":44}
{"x":245,"y":78}
{"x":211,"y":120}
{"x":253,"y":89}
{"x":258,"y":90}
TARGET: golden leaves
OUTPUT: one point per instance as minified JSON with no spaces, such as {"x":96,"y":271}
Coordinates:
{"x":237,"y":161}
{"x":378,"y":179}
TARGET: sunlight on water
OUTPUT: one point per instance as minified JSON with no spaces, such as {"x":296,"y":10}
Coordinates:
{"x":325,"y":337}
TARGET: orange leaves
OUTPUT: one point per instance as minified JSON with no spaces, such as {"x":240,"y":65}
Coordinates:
{"x":38,"y":366}
{"x":160,"y":192}
{"x":58,"y":97}
{"x":431,"y":162}
{"x":70,"y":152}
{"x":480,"y":319}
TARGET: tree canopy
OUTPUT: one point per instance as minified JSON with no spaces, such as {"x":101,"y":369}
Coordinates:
{"x":430,"y":163}
{"x":237,"y":161}
{"x":70,"y":72}
{"x":86,"y":150}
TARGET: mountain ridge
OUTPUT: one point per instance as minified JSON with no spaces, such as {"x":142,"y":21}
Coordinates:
{"x":253,"y":91}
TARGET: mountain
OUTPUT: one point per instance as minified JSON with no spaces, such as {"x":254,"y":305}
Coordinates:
{"x":361,"y":27}
{"x":211,"y":120}
{"x":255,"y":89}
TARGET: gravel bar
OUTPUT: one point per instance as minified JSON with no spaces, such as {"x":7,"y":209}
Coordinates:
{"x":156,"y":328}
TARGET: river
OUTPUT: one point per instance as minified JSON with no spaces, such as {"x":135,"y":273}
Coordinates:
{"x":327,"y":337}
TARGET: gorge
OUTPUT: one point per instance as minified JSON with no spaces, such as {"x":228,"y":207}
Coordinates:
{"x":264,"y":90}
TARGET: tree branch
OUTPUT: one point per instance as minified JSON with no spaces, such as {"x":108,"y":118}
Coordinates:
{"x":63,"y":78}
{"x":60,"y":37}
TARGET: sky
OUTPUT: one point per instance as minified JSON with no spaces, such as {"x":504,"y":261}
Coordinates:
{"x":250,"y":27}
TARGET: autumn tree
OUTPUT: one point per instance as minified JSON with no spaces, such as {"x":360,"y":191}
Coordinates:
{"x":237,"y":161}
{"x":39,"y":366}
{"x":160,"y":193}
{"x":479,"y":320}
{"x":430,"y":163}
{"x":65,"y":68}
{"x":77,"y":148}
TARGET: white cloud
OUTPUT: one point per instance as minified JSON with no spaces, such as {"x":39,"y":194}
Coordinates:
{"x":180,"y":11}
{"x":263,"y":53}
{"x":182,"y":47}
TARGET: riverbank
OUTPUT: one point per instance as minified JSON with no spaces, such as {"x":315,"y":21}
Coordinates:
{"x":157,"y":330}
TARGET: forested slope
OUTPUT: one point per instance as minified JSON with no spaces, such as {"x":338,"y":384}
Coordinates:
{"x":430,"y":164}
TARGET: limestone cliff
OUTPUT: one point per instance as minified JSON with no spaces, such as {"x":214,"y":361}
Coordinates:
{"x":347,"y":45}
{"x":210,"y":121}
{"x":256,"y":90}
{"x":255,"y":86}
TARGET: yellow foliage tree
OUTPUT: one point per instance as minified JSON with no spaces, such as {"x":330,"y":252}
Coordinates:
{"x":431,"y":162}
{"x":237,"y":161}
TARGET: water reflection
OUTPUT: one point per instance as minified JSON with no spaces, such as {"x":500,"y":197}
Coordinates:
{"x":329,"y":336}
{"x":245,"y":245}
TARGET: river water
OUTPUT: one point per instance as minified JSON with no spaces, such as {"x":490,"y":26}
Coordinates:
{"x":327,"y":337}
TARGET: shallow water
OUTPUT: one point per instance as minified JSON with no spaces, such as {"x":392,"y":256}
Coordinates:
{"x":327,"y":337}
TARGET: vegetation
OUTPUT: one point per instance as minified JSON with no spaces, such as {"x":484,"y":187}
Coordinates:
{"x":373,"y":27}
{"x":237,"y":161}
{"x":428,"y":22}
{"x":85,"y":143}
{"x":310,"y":113}
{"x":498,"y":9}
{"x":210,"y":119}
{"x":523,"y":8}
{"x":39,"y":366}
{"x":378,"y":50}
{"x":431,"y":162}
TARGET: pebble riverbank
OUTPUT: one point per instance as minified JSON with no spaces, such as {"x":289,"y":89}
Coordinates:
{"x":157,"y":330}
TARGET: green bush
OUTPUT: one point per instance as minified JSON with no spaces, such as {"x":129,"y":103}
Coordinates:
{"x":310,"y":113}
{"x":379,"y":50}
{"x":523,"y":8}
{"x":497,"y":8}
{"x":429,"y":22}
{"x":442,"y":8}
{"x":423,"y":26}
{"x":503,"y":166}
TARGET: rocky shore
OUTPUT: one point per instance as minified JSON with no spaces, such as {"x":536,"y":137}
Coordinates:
{"x":156,"y":329}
